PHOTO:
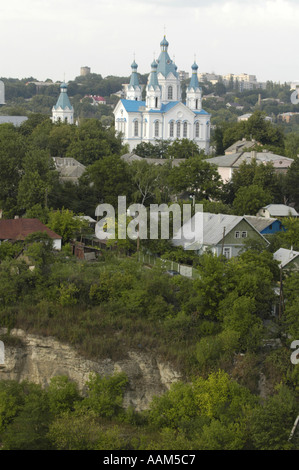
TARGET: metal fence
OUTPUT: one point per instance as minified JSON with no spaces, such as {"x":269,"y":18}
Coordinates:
{"x":184,"y":270}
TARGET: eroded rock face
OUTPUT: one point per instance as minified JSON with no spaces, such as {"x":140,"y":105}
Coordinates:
{"x":41,"y":358}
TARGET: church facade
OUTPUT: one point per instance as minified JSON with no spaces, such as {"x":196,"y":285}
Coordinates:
{"x":163,"y":115}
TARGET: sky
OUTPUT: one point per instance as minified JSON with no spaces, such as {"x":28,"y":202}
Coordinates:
{"x":54,"y":39}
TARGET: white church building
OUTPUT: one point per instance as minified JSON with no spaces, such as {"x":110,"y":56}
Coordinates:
{"x":63,"y":111}
{"x":163,"y":115}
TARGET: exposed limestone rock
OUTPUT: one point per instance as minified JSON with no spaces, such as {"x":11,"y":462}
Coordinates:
{"x":41,"y":358}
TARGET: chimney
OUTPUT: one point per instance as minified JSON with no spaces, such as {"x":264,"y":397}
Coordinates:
{"x":253,"y":154}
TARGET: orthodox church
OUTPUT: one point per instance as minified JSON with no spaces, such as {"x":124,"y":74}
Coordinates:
{"x":163,"y":115}
{"x":63,"y":110}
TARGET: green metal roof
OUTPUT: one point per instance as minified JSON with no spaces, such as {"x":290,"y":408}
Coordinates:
{"x":63,"y":101}
{"x":165,"y":64}
{"x":134,"y":81}
{"x":194,"y":78}
{"x":153,"y":78}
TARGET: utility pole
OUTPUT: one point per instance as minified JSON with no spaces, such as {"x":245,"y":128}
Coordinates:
{"x":222,"y":248}
{"x":281,"y":302}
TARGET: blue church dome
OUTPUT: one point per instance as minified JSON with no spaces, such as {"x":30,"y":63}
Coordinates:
{"x":164,"y":43}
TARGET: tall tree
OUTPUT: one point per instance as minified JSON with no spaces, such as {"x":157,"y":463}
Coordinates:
{"x":196,"y":176}
{"x":12,"y":151}
{"x":110,"y":177}
{"x":38,"y":180}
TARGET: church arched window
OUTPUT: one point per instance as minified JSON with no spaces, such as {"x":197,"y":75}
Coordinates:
{"x":136,"y":128}
{"x":170,"y":93}
{"x":171,"y":129}
{"x":185,"y":129}
{"x":178,"y":129}
{"x":156,"y":128}
{"x":197,"y":129}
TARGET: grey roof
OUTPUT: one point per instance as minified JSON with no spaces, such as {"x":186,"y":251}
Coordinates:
{"x":234,"y":160}
{"x":281,"y":210}
{"x":68,"y":168}
{"x":239,"y":145}
{"x":210,"y":229}
{"x":130,"y":157}
{"x":260,"y":223}
{"x":15,"y":120}
{"x":225,"y":160}
{"x":284,"y":256}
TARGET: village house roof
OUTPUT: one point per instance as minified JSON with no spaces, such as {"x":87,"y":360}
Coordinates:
{"x":279,"y":210}
{"x":19,"y":229}
{"x":211,"y":229}
{"x":284,"y":256}
{"x":260,"y":223}
{"x":132,"y":157}
{"x":234,"y":160}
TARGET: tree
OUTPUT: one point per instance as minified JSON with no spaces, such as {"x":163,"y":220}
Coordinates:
{"x":144,"y":177}
{"x":38,"y":179}
{"x":12,"y":151}
{"x":11,"y":401}
{"x":66,"y":224}
{"x":264,"y":131}
{"x":182,"y":148}
{"x":239,"y":317}
{"x":291,"y":182}
{"x":262,"y":175}
{"x":218,"y":139}
{"x":197,"y":176}
{"x":91,"y":142}
{"x":110,"y":177}
{"x":148,"y":150}
{"x":105,"y":394}
{"x":71,"y":431}
{"x":250,"y":199}
{"x":38,"y":247}
{"x":28,"y":430}
{"x":62,"y":394}
{"x":60,"y":137}
{"x":271,"y":423}
{"x":257,"y":128}
{"x":211,"y":285}
{"x":34,"y":119}
{"x":292,"y":145}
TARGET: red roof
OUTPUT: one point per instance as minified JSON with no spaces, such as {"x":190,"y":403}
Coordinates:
{"x":19,"y":229}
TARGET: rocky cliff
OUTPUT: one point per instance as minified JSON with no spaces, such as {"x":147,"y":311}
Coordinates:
{"x":38,"y":359}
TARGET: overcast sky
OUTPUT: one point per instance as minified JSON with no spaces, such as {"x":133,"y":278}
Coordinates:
{"x":53,"y":39}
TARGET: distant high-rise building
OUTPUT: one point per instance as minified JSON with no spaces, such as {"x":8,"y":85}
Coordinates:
{"x":183,"y":75}
{"x":84,"y":71}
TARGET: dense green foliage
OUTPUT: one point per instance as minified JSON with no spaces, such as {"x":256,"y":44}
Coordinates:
{"x":217,"y":330}
{"x":205,"y":327}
